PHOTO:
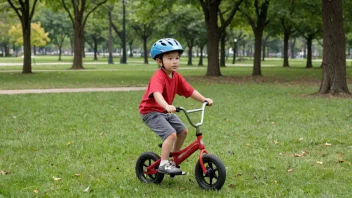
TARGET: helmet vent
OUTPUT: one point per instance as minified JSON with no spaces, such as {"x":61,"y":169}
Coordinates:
{"x":162,"y":43}
{"x":170,"y":43}
{"x":176,"y":42}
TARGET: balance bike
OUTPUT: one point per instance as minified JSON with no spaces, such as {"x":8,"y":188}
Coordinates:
{"x":210,"y":171}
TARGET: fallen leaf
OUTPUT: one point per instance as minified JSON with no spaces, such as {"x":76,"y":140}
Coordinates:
{"x":300,"y":139}
{"x":304,"y":152}
{"x":36,"y":191}
{"x":232,"y":185}
{"x":276,"y":142}
{"x":68,"y":143}
{"x":281,"y":153}
{"x":101,"y":134}
{"x":57,"y":178}
{"x":275,"y":182}
{"x":86,"y":190}
{"x":297,"y":155}
{"x":255,"y":177}
{"x":327,"y":144}
{"x":238,"y":174}
{"x":77,"y":175}
{"x":290,"y":170}
{"x":319,"y":162}
{"x":3,"y":172}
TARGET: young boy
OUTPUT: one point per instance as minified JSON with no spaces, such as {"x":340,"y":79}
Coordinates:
{"x":156,"y":107}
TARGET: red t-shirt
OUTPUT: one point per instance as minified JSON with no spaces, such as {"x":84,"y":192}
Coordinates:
{"x":168,"y":87}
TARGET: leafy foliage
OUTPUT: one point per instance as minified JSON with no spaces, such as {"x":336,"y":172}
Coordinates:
{"x":38,"y":36}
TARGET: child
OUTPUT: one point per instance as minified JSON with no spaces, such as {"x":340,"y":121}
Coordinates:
{"x":156,"y":107}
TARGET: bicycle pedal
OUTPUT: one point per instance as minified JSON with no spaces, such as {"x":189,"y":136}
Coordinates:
{"x":182,"y":173}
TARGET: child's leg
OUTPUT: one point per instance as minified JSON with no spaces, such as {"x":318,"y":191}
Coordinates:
{"x":167,"y":146}
{"x":180,"y":140}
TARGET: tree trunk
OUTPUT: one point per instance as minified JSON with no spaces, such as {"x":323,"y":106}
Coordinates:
{"x":123,"y":59}
{"x":27,"y":54}
{"x":190,"y":55}
{"x":293,"y":45}
{"x":257,"y":52}
{"x":222,"y":50}
{"x":286,"y":39}
{"x":95,"y":49}
{"x":60,"y":52}
{"x":334,"y":57}
{"x":264,"y":51}
{"x":210,"y":9}
{"x":110,"y":58}
{"x":309,"y":52}
{"x":200,"y":63}
{"x":78,"y":44}
{"x":213,"y":55}
{"x":145,"y":51}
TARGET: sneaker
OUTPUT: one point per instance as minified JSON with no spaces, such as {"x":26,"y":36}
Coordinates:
{"x":177,"y":166}
{"x":169,"y":169}
{"x":174,"y":164}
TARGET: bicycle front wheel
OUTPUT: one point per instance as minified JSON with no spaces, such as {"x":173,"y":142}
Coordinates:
{"x":215,"y":175}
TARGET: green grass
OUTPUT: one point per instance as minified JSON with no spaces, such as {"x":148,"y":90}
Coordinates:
{"x":256,"y":128}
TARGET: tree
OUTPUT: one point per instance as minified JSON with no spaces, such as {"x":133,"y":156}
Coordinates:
{"x":6,"y":21}
{"x":334,"y":53}
{"x":110,"y":58}
{"x":58,"y":26}
{"x":143,"y":23}
{"x":95,"y":32}
{"x":24,"y":9}
{"x":257,"y":18}
{"x":284,"y":24}
{"x":188,"y":24}
{"x":123,"y":59}
{"x":211,"y":10}
{"x":308,"y":23}
{"x":121,"y":33}
{"x":76,"y":10}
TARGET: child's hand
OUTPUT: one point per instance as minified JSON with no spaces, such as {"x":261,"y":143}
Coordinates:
{"x":210,"y":101}
{"x":170,"y":108}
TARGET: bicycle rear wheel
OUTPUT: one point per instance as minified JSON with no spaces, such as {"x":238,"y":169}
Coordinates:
{"x":144,"y":161}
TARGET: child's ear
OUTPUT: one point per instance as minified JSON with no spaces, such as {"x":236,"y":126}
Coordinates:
{"x":160,"y":63}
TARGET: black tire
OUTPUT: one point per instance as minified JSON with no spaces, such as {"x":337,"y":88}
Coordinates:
{"x":144,"y":161}
{"x":215,"y":177}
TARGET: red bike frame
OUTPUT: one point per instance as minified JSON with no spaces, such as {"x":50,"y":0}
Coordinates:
{"x":179,"y":156}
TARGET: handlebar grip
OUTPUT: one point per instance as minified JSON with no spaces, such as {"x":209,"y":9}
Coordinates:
{"x":178,"y":109}
{"x":205,"y":101}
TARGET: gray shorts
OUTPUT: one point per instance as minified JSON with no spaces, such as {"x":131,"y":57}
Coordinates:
{"x":163,"y":124}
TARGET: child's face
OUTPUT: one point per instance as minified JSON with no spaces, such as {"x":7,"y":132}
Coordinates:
{"x":171,"y":61}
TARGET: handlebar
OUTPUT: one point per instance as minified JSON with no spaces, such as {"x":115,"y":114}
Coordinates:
{"x":205,"y":103}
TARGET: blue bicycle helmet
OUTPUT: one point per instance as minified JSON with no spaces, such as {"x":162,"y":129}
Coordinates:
{"x":165,"y":45}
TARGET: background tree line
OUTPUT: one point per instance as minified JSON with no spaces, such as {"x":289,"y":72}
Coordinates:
{"x":198,"y":24}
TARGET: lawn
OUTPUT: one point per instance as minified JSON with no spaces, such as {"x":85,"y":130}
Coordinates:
{"x":275,"y":137}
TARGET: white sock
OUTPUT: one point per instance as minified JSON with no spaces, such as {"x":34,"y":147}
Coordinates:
{"x":163,"y":162}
